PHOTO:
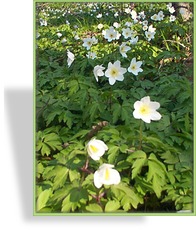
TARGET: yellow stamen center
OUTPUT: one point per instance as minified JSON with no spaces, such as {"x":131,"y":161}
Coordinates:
{"x":94,"y":149}
{"x":114,"y":72}
{"x":144,"y":110}
{"x":107,"y":174}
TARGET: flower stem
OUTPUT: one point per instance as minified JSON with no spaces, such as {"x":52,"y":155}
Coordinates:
{"x":141,"y":135}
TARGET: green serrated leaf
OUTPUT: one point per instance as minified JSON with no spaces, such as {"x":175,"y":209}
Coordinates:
{"x":43,"y":198}
{"x":112,"y":206}
{"x":137,"y":166}
{"x":94,"y":208}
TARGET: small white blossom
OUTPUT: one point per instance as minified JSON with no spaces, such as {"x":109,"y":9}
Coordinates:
{"x":124,"y":48}
{"x":91,"y":55}
{"x":154,"y":17}
{"x":160,"y":16}
{"x":116,"y":14}
{"x":146,"y":110}
{"x":172,"y":18}
{"x":134,"y":14}
{"x":128,"y":24}
{"x":111,"y":34}
{"x":106,"y":175}
{"x":98,"y":71}
{"x":59,"y":34}
{"x":116,"y":24}
{"x":134,"y":67}
{"x":151,"y":28}
{"x":133,"y":40}
{"x":64,"y":40}
{"x":43,"y":22}
{"x":70,"y":58}
{"x":115,"y":72}
{"x":128,"y":10}
{"x":149,"y":35}
{"x":99,"y":15}
{"x":127,"y":33}
{"x":100,"y":26}
{"x":171,"y":10}
{"x":96,"y":149}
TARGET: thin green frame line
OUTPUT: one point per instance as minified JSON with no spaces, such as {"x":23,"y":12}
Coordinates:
{"x":34,"y":118}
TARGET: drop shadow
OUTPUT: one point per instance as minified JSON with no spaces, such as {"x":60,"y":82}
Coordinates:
{"x":19,"y":111}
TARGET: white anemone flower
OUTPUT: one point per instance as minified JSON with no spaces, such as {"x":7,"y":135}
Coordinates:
{"x":172,"y":18}
{"x":98,"y":71}
{"x":128,"y":24}
{"x":116,"y":25}
{"x":59,"y":34}
{"x":135,"y":66}
{"x":133,"y":14}
{"x":171,"y":9}
{"x":146,"y":110}
{"x":88,"y":42}
{"x":149,"y":35}
{"x":133,"y":40}
{"x":110,"y":34}
{"x":106,"y":175}
{"x":151,"y":28}
{"x":154,"y":17}
{"x":96,"y":149}
{"x":115,"y":72}
{"x":91,"y":55}
{"x":127,"y":32}
{"x":70,"y":58}
{"x":100,"y":26}
{"x":124,"y":48}
{"x":160,"y":16}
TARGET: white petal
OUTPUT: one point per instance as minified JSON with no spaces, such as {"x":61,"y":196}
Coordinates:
{"x":97,"y":182}
{"x":146,"y":100}
{"x":136,"y":114}
{"x":139,"y":63}
{"x":120,"y":78}
{"x":137,"y":105}
{"x":112,"y":80}
{"x":117,"y":64}
{"x":146,"y":118}
{"x":154,"y":105}
{"x":155,"y":116}
{"x":115,"y":176}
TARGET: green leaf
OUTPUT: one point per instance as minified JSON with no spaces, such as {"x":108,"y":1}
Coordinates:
{"x":43,"y":198}
{"x":135,"y":155}
{"x":156,"y":174}
{"x":112,"y":152}
{"x":116,"y":108}
{"x":45,"y":150}
{"x":73,"y":175}
{"x":94,"y":208}
{"x":112,"y":206}
{"x":137,"y":166}
{"x":48,"y":142}
{"x":60,"y":176}
{"x":77,"y":194}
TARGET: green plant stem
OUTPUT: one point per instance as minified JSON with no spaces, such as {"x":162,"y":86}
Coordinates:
{"x":167,"y":46}
{"x":141,"y":135}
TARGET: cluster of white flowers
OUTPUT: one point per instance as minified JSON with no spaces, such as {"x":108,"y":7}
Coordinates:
{"x":111,"y":34}
{"x":171,"y":9}
{"x":115,"y":72}
{"x":158,"y":17}
{"x":105,"y":174}
{"x":88,"y":42}
{"x":145,"y":109}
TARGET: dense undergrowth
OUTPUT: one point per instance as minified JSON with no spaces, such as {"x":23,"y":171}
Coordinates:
{"x":75,"y":104}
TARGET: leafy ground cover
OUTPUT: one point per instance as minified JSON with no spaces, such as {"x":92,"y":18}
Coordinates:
{"x":114,"y":107}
